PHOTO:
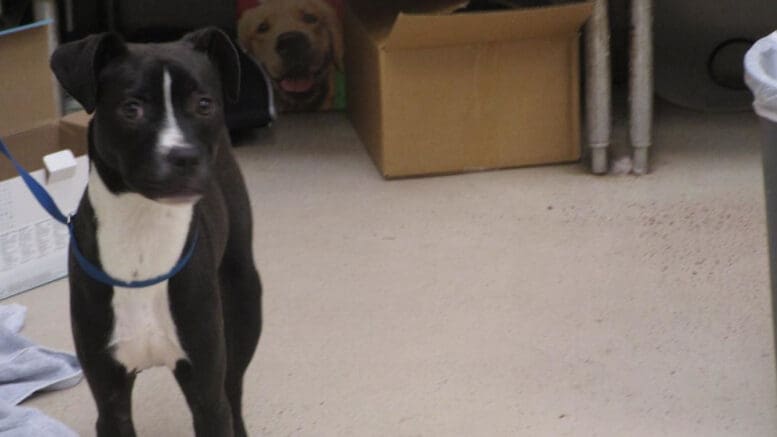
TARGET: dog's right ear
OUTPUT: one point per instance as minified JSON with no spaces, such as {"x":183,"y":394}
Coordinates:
{"x":219,"y":48}
{"x":77,"y":65}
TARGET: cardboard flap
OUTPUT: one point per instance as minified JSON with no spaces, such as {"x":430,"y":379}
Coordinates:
{"x":430,"y":30}
{"x":73,"y":132}
{"x":29,"y":147}
{"x":377,"y":17}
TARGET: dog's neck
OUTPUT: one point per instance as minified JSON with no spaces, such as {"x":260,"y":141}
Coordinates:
{"x":138,"y":238}
{"x":146,"y":237}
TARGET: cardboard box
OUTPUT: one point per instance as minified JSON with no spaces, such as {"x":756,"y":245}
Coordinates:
{"x":33,"y":246}
{"x":445,"y":93}
{"x":27,"y":88}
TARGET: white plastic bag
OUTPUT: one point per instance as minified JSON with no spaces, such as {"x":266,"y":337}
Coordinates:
{"x":761,"y":76}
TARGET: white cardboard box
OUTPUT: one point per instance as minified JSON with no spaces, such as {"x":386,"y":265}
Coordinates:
{"x":33,"y":246}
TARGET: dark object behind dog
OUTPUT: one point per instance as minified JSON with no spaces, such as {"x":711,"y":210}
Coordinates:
{"x":14,"y":13}
{"x":162,"y":171}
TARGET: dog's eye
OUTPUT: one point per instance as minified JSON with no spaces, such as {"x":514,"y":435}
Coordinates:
{"x":309,"y":18}
{"x":263,"y":27}
{"x":205,"y":106}
{"x":132,"y":110}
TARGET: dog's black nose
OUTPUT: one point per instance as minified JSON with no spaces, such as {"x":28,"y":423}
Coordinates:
{"x":183,"y":157}
{"x":293,"y":45}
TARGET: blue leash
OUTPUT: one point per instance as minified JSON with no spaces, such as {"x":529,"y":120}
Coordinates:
{"x":90,"y":269}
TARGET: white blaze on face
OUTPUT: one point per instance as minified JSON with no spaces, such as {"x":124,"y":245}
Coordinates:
{"x":170,"y":136}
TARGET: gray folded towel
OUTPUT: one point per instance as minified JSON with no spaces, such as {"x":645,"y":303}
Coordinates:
{"x":18,"y":421}
{"x":26,"y":368}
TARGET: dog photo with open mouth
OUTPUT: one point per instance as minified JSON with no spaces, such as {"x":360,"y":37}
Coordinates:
{"x":300,"y":44}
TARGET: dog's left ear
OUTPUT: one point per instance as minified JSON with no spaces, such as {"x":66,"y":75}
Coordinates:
{"x":217,"y":45}
{"x":77,"y":65}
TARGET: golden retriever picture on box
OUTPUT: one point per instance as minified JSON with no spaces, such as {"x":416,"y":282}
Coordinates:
{"x":300,"y":45}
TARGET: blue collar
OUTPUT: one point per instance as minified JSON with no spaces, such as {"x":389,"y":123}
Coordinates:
{"x":90,"y":269}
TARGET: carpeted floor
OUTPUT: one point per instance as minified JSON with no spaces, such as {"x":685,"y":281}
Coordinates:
{"x":531,"y":302}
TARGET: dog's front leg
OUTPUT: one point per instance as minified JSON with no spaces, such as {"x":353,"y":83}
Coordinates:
{"x":196,"y":308}
{"x":207,"y":400}
{"x":114,"y":405}
{"x":109,"y":381}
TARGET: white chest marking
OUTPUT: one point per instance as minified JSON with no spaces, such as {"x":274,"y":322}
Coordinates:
{"x":140,"y":239}
{"x":170,"y":135}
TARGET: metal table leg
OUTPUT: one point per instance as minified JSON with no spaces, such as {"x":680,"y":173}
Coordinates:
{"x":598,"y":86}
{"x":641,"y":83}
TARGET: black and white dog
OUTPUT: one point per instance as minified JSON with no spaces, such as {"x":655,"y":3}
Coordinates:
{"x":162,"y":170}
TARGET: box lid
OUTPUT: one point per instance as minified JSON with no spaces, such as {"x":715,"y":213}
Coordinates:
{"x":74,"y":130}
{"x":424,"y":30}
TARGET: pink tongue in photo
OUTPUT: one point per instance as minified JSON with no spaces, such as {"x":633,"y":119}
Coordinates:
{"x":297,"y":85}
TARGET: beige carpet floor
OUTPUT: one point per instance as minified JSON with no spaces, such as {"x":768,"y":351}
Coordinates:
{"x":530,"y":302}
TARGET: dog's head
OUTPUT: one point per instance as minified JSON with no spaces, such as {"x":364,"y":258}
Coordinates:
{"x":159,"y":108}
{"x":298,"y":41}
